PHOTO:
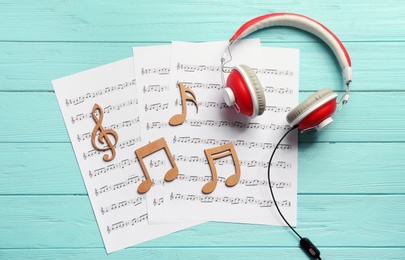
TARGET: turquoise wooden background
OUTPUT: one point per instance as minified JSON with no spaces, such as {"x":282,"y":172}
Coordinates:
{"x":351,"y":176}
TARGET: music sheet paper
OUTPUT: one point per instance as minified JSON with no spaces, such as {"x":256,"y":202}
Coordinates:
{"x":254,"y":139}
{"x":197,"y":66}
{"x":152,"y":71}
{"x":121,"y":213}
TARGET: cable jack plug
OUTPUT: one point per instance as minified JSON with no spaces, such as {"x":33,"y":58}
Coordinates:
{"x":310,"y":248}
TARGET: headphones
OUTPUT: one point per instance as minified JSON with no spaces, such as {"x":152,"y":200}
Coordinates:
{"x":244,"y":92}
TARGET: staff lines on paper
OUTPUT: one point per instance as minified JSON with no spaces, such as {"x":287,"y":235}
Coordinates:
{"x":267,"y":89}
{"x":159,"y":71}
{"x":241,"y":143}
{"x":111,"y":167}
{"x":155,"y":88}
{"x":246,"y":182}
{"x":247,"y":163}
{"x":127,"y":223}
{"x":133,"y":179}
{"x":229,"y":200}
{"x":220,"y":123}
{"x":116,"y":206}
{"x":215,"y":68}
{"x":156,"y":107}
{"x":120,"y":145}
{"x":212,"y":104}
{"x":107,"y":109}
{"x":184,"y":158}
{"x":97,"y":93}
{"x":126,"y":123}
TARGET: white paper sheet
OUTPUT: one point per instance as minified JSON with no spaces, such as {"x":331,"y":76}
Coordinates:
{"x":197,"y":65}
{"x":121,"y":213}
{"x":254,"y":139}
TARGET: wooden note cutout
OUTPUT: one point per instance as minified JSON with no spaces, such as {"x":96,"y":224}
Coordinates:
{"x":215,"y":153}
{"x":179,"y":118}
{"x":103,"y":134}
{"x":148,"y":150}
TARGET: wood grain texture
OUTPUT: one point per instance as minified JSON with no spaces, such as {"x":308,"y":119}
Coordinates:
{"x":351,"y":192}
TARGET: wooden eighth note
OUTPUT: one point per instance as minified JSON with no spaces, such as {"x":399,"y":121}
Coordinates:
{"x":103,"y":134}
{"x":215,"y":153}
{"x":148,"y":150}
{"x":178,"y":119}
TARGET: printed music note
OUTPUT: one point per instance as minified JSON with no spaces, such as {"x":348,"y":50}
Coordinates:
{"x":103,"y":134}
{"x":215,"y":153}
{"x":179,"y":118}
{"x":148,"y":150}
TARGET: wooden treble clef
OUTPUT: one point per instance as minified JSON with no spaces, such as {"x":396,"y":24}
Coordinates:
{"x":103,"y":135}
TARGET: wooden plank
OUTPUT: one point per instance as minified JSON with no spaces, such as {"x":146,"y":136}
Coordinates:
{"x":32,"y":66}
{"x":203,"y":253}
{"x":362,"y":120}
{"x":329,"y":220}
{"x":174,"y":20}
{"x":324,"y":168}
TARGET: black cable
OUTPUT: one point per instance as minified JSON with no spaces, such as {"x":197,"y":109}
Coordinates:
{"x":268,"y":177}
{"x":305,"y":243}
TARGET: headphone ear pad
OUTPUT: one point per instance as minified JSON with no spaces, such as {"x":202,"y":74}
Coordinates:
{"x":313,"y":110}
{"x":258,"y":91}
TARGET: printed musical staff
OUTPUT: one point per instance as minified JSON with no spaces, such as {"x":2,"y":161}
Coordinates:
{"x":90,"y":95}
{"x":246,"y":182}
{"x":148,"y":150}
{"x":111,"y":167}
{"x":156,"y":106}
{"x":199,"y":68}
{"x":199,"y":85}
{"x":101,"y":135}
{"x":115,"y":206}
{"x":127,"y":123}
{"x":229,"y":200}
{"x":245,"y":163}
{"x":128,"y":223}
{"x":186,"y":95}
{"x":106,"y":110}
{"x":221,"y":123}
{"x":159,"y":71}
{"x":194,"y":68}
{"x":120,"y":145}
{"x":131,"y":180}
{"x":219,"y":152}
{"x":210,"y":104}
{"x":158,"y":202}
{"x":274,"y":90}
{"x":242,"y":143}
{"x":155,"y":88}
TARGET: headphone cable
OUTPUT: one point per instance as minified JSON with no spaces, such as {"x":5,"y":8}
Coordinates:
{"x":305,"y":243}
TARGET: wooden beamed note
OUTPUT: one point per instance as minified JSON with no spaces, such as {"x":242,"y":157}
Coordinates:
{"x":178,"y":119}
{"x":103,"y":134}
{"x":149,"y":149}
{"x":217,"y":153}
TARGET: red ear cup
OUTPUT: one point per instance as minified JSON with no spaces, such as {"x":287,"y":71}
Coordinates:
{"x":315,"y":111}
{"x":245,"y":92}
{"x":318,"y":116}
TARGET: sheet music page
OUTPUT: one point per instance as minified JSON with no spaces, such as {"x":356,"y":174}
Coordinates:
{"x":95,"y":104}
{"x":152,"y":71}
{"x":214,"y":125}
{"x":152,"y":67}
